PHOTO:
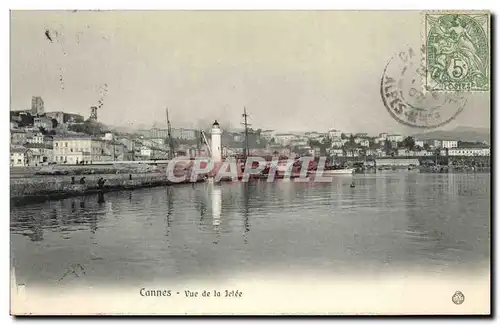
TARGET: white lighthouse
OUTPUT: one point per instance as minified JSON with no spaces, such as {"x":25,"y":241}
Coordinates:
{"x":216,"y":143}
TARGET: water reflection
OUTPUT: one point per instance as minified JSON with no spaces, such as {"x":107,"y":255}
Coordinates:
{"x":100,"y":198}
{"x":170,"y":210}
{"x":216,"y":199}
{"x":386,"y":221}
{"x":62,"y":216}
{"x":246,"y":193}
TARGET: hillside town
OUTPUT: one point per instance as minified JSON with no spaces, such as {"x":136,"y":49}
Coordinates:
{"x":42,"y":138}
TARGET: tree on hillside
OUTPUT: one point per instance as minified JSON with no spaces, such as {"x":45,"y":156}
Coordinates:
{"x":300,"y":151}
{"x":314,"y":143}
{"x":175,"y":143}
{"x":89,"y":127}
{"x":409,"y":143}
{"x":26,"y":120}
{"x":388,"y":147}
{"x":373,"y":145}
{"x":327,"y":142}
{"x":54,"y":123}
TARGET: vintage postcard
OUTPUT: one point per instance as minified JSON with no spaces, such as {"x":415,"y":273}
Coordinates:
{"x":250,"y":162}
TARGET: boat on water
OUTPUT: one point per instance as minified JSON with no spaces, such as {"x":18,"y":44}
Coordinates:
{"x":340,"y":171}
{"x":328,"y":171}
{"x":334,"y":172}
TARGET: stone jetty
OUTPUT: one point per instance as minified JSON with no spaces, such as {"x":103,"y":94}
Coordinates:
{"x":37,"y":189}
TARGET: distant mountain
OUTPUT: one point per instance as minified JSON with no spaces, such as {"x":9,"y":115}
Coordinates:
{"x":123,"y":129}
{"x":461,"y":133}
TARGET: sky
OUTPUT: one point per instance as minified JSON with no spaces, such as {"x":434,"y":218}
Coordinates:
{"x":292,"y":70}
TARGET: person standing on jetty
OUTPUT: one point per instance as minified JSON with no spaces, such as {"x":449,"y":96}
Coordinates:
{"x":101,"y":182}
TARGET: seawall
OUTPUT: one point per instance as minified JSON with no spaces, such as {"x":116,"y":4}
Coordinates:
{"x":39,"y":189}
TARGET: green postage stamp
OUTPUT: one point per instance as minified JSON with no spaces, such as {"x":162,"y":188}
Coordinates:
{"x":457,"y":51}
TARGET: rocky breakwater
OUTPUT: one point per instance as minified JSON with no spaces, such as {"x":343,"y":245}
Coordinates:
{"x":36,"y":189}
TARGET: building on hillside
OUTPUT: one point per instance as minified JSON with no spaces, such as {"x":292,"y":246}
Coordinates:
{"x":284,"y":139}
{"x":156,"y":133}
{"x":280,"y":151}
{"x":394,"y":137}
{"x":449,"y":144}
{"x":364,"y":143}
{"x":353,"y":152}
{"x":315,"y":135}
{"x":184,"y":134}
{"x":469,"y":152}
{"x":58,"y":116}
{"x":108,"y":136}
{"x":336,"y":152}
{"x":370,"y":152}
{"x":146,"y":152}
{"x":43,"y":122}
{"x":434,"y":143}
{"x":77,"y":149}
{"x":42,"y":154}
{"x":155,"y":148}
{"x":337,"y":143}
{"x":404,"y":152}
{"x":34,"y":137}
{"x":419,"y":143}
{"x":130,"y":143}
{"x":423,"y":153}
{"x":267,"y":134}
{"x":116,"y":151}
{"x":333,"y":134}
{"x":299,"y":142}
{"x":237,"y":137}
{"x":18,"y":136}
{"x":48,"y":141}
{"x":20,"y":156}
{"x":380,"y":153}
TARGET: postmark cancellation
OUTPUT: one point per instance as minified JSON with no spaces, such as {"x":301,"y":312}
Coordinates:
{"x":457,"y":55}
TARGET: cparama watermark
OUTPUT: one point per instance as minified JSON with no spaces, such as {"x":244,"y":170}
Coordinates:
{"x":303,"y":169}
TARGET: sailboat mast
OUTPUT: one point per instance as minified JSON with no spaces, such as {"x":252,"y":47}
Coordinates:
{"x":245,"y":123}
{"x":170,"y":142}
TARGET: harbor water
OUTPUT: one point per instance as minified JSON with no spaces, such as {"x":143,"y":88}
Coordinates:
{"x":388,"y":222}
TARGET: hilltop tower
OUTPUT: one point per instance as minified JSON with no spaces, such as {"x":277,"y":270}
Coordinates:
{"x":93,"y":113}
{"x":37,"y":105}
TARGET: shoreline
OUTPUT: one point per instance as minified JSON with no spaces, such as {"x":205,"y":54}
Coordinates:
{"x":25,"y":191}
{"x":61,"y":195}
{"x":29,"y":190}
